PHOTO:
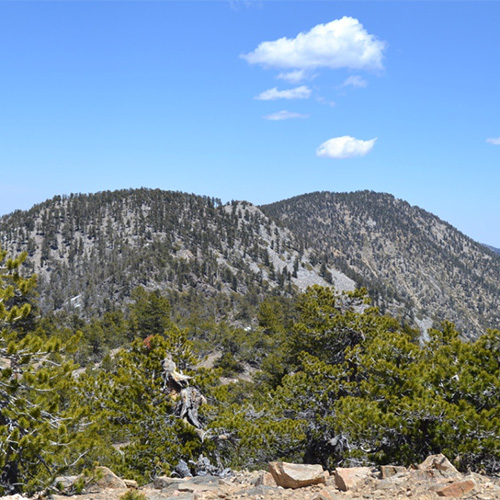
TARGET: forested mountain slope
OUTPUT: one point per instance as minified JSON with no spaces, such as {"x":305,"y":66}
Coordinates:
{"x":91,"y":251}
{"x":412,"y":262}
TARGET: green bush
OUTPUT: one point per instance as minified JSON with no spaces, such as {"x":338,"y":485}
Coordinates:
{"x":133,"y":495}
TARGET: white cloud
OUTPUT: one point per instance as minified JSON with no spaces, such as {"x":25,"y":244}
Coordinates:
{"x":345,"y":147}
{"x":342,"y":43}
{"x":325,"y":101}
{"x":495,"y":141}
{"x":236,"y":4}
{"x":284,"y":115}
{"x":302,"y":92}
{"x":294,"y":76}
{"x":355,"y":81}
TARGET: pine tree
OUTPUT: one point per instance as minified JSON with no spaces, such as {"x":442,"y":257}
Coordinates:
{"x":36,"y":422}
{"x":134,"y":406}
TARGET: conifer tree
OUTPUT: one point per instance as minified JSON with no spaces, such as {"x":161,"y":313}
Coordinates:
{"x":366,"y":390}
{"x":36,"y":423}
{"x":134,"y":406}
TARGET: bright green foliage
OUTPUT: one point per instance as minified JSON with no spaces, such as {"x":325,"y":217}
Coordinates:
{"x":330,"y":322}
{"x":368,"y":392}
{"x":149,"y":313}
{"x":36,"y":423}
{"x":133,"y":495}
{"x":272,"y":314}
{"x":264,"y":347}
{"x":103,"y":334}
{"x":250,"y":431}
{"x":427,"y":399}
{"x":13,"y":288}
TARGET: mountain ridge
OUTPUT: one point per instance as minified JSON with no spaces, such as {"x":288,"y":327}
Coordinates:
{"x":493,"y":249}
{"x":91,"y":250}
{"x":112,"y":242}
{"x":391,"y":246}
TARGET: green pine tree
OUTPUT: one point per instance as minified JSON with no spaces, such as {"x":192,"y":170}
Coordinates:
{"x":36,"y":421}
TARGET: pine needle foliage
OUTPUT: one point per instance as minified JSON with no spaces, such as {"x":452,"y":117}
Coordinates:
{"x":36,"y":421}
{"x":134,"y":410}
{"x":367,"y":390}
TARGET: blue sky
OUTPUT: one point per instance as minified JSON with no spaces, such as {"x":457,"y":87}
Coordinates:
{"x":255,"y":100}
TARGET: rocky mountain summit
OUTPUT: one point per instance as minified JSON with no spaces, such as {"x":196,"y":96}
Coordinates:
{"x":434,"y":478}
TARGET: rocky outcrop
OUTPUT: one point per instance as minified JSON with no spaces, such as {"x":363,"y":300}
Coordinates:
{"x":387,"y":471}
{"x":440,"y":464}
{"x":457,"y":489}
{"x":107,"y":479}
{"x":347,"y":479}
{"x":433,"y":479}
{"x":289,"y":475}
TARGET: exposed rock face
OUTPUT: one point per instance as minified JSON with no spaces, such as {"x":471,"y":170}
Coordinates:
{"x":289,"y":475}
{"x":265,"y":479}
{"x":131,"y":483}
{"x":457,"y":489}
{"x":347,"y":478}
{"x":440,"y":463}
{"x":65,"y":481}
{"x":109,"y":480}
{"x":387,"y":471}
{"x":104,"y":480}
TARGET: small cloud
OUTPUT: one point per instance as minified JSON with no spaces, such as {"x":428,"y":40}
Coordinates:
{"x":284,"y":115}
{"x":294,"y":76}
{"x":237,"y":4}
{"x":342,"y":43}
{"x":355,"y":81}
{"x":345,"y":147}
{"x":302,"y":92}
{"x":494,"y":140}
{"x":326,"y":102}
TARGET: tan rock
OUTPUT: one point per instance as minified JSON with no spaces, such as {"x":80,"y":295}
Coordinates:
{"x":193,"y":487}
{"x":391,"y":483}
{"x":457,"y":489}
{"x":387,"y":471}
{"x":131,"y":483}
{"x":265,"y":479}
{"x":324,"y":495}
{"x":107,"y":479}
{"x":440,"y":463}
{"x":296,"y":476}
{"x":426,"y":475}
{"x":161,"y":482}
{"x":208,"y":495}
{"x":347,"y":478}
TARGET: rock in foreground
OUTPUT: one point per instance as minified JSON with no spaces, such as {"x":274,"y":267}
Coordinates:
{"x":347,"y":478}
{"x":433,"y":479}
{"x":294,"y":476}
